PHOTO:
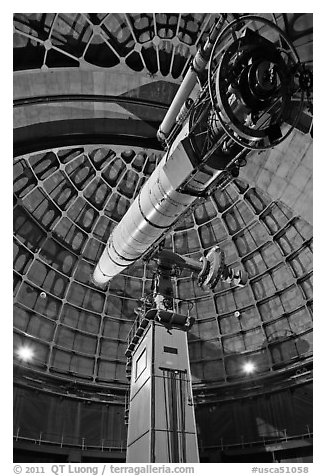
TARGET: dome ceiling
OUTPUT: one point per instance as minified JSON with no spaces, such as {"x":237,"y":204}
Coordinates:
{"x":67,"y":203}
{"x":159,"y":43}
{"x":68,"y":198}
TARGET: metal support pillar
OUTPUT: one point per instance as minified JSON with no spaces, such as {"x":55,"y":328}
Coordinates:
{"x":161,"y":425}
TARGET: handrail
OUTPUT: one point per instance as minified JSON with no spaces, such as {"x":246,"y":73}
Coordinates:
{"x":115,"y":446}
{"x":148,"y":304}
{"x":264,"y":440}
{"x":59,"y":441}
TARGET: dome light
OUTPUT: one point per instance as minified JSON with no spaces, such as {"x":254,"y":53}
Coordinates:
{"x":25,"y":353}
{"x":249,"y":368}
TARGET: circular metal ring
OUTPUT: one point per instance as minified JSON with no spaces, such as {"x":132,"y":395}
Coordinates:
{"x":231,"y":133}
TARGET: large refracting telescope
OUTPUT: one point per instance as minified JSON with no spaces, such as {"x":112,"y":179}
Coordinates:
{"x":236,"y":97}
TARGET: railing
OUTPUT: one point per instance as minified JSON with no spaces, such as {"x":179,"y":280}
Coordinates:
{"x":242,"y":441}
{"x":279,"y":436}
{"x":180,"y":306}
{"x":71,"y":441}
